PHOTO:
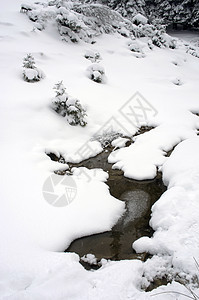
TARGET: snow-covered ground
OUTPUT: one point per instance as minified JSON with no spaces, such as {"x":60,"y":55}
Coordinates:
{"x":34,"y":233}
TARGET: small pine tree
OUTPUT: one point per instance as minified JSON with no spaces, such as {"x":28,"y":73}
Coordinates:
{"x":68,"y":107}
{"x":59,"y":89}
{"x":29,"y":62}
{"x":30,"y":72}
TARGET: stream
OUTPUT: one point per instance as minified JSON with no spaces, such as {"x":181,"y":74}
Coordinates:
{"x":139,"y":196}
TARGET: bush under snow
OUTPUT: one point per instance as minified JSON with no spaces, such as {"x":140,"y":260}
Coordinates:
{"x":194,"y":51}
{"x":161,"y":39}
{"x":30,"y":72}
{"x":96,"y":73}
{"x":77,"y":21}
{"x":106,"y":138}
{"x":68,"y":107}
{"x":177,"y":81}
{"x":139,"y":19}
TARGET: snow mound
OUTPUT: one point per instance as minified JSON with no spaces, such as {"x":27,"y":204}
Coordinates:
{"x":32,"y":75}
{"x":175,"y":215}
{"x":96,"y":73}
{"x":140,"y":19}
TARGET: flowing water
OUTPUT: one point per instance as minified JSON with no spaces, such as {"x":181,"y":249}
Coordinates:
{"x":139,"y":196}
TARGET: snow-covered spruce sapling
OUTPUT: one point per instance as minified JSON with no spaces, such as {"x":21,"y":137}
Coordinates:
{"x":30,"y":72}
{"x":60,"y":89}
{"x":68,"y":107}
{"x":29,"y":61}
{"x":96,"y":73}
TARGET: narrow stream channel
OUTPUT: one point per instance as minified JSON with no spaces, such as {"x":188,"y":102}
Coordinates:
{"x":139,"y":196}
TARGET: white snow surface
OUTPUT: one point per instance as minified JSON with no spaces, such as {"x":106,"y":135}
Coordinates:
{"x":34,"y":233}
{"x":140,"y":19}
{"x":175,"y":215}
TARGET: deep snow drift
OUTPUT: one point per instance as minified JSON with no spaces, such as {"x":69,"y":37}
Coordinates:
{"x":32,"y":231}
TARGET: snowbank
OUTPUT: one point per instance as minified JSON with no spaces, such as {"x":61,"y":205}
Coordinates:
{"x":30,"y":228}
{"x":175,"y":215}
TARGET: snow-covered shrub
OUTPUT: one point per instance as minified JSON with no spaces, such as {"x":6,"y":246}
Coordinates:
{"x":158,"y":40}
{"x":72,"y":27}
{"x":176,"y":63}
{"x":149,"y":30}
{"x":96,"y":73}
{"x":39,"y":13}
{"x":106,"y":138}
{"x":32,"y":75}
{"x":135,"y":46}
{"x":84,"y":20}
{"x":124,"y":31}
{"x":127,"y":8}
{"x":139,"y":19}
{"x":177,"y":81}
{"x":161,"y":39}
{"x":193,"y":51}
{"x":30,"y":72}
{"x":145,"y":30}
{"x":195,"y":42}
{"x":150,"y":44}
{"x":92,"y":56}
{"x":172,"y":43}
{"x":68,"y":107}
{"x":25,"y":8}
{"x":100,"y":18}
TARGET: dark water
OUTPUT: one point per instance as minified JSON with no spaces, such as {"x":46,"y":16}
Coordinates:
{"x":139,"y":196}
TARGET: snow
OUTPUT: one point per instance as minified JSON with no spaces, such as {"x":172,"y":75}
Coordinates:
{"x":176,"y":230}
{"x":32,"y":74}
{"x":89,"y":258}
{"x":33,"y":232}
{"x":135,"y":46}
{"x":119,"y":142}
{"x":140,"y":164}
{"x":140,"y":19}
{"x":96,"y":73}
